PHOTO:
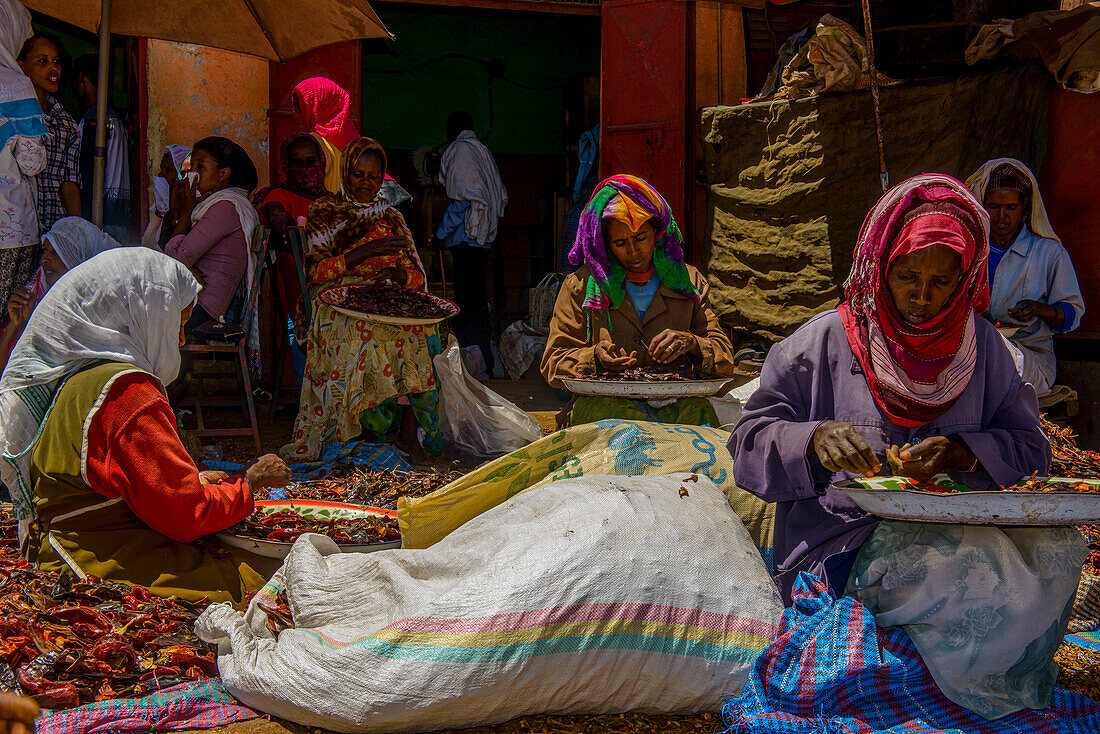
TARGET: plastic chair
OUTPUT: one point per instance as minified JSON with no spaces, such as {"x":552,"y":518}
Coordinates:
{"x":295,"y":243}
{"x":234,"y":343}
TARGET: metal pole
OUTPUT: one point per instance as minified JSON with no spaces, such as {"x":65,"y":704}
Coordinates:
{"x":99,"y":172}
{"x":868,"y":35}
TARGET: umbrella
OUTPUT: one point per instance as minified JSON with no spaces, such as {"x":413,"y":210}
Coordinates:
{"x":274,"y":29}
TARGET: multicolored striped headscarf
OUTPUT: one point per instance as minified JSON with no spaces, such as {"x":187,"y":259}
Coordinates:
{"x":633,"y":202}
{"x":916,"y":372}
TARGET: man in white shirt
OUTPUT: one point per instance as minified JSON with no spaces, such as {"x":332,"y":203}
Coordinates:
{"x":476,"y":201}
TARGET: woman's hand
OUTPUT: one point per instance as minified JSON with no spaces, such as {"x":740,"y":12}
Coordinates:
{"x":1027,"y":309}
{"x":268,"y":471}
{"x":21,"y":306}
{"x":185,"y":197}
{"x":613,"y":358}
{"x":188,"y":196}
{"x":394,"y":275}
{"x":381,"y":247}
{"x":17,"y":714}
{"x":212,"y":476}
{"x":839,"y":447}
{"x":670,"y":345}
{"x":928,"y":458}
{"x":278,"y":217}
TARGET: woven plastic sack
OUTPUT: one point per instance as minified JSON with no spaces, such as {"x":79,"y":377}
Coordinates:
{"x":475,"y":420}
{"x":541,"y":300}
{"x":596,"y":595}
{"x":605,"y":447}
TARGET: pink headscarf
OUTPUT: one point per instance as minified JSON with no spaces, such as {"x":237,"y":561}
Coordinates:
{"x":916,"y":372}
{"x":326,"y":109}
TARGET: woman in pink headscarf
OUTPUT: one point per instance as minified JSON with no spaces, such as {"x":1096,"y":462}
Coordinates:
{"x":325,"y":109}
{"x":905,"y":378}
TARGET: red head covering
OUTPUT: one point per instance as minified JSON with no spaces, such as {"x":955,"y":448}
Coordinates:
{"x":916,"y":372}
{"x":326,"y":108}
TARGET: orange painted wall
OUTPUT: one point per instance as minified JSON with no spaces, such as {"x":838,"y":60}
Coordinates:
{"x":195,"y":91}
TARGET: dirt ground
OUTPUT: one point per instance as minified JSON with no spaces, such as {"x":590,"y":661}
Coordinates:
{"x":628,"y":723}
{"x":533,"y":395}
{"x":1080,"y":669}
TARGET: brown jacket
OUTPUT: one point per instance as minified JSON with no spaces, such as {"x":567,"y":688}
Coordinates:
{"x":570,"y":353}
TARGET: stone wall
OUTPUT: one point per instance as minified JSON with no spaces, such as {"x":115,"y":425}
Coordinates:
{"x":790,"y":182}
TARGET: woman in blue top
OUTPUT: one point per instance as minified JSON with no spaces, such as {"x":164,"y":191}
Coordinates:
{"x":1031,"y":277}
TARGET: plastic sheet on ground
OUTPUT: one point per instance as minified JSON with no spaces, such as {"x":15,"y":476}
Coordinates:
{"x":597,"y":595}
{"x":358,"y":453}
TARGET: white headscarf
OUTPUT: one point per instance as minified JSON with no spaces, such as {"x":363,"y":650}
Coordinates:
{"x":75,"y":240}
{"x":1037,"y":220}
{"x":20,"y":112}
{"x":123,"y":305}
{"x":15,"y":28}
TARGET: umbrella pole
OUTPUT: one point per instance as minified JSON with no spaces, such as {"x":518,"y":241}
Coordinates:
{"x":100,"y":169}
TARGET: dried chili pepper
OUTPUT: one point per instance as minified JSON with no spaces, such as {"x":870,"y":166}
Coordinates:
{"x":372,"y":487}
{"x":384,"y":300}
{"x":68,"y":642}
{"x":285,"y":526}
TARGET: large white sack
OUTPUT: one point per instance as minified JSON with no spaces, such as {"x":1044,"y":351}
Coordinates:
{"x":596,"y":595}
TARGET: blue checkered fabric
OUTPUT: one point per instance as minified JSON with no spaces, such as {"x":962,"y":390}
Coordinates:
{"x":833,"y":671}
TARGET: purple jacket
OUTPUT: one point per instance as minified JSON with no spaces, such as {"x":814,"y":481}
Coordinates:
{"x":811,"y":377}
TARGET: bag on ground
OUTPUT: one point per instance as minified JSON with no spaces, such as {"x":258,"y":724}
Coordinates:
{"x":596,"y":595}
{"x":475,"y":420}
{"x":624,"y":448}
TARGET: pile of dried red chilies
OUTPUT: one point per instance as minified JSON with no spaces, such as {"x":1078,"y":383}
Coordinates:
{"x":371,"y":487}
{"x":386,"y":300}
{"x":1068,"y":460}
{"x":285,"y":527}
{"x":67,"y":642}
{"x":639,"y":374}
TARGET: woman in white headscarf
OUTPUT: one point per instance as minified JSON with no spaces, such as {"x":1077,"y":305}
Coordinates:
{"x":22,"y":154}
{"x":69,"y":242}
{"x":1032,"y":281}
{"x":100,"y":480}
{"x":174,"y":163}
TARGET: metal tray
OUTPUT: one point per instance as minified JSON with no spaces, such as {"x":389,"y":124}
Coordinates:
{"x":645,"y":390}
{"x":308,"y":508}
{"x":337,"y":294}
{"x":894,"y":499}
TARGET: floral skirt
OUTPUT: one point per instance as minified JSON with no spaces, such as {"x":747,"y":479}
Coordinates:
{"x":355,"y":366}
{"x":986,"y":607}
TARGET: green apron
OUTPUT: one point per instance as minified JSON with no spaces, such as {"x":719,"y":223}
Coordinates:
{"x":94,"y":536}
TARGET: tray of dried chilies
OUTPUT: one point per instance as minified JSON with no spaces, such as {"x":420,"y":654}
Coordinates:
{"x":644,"y":384}
{"x":274,"y":525}
{"x":1032,"y":501}
{"x":389,"y":304}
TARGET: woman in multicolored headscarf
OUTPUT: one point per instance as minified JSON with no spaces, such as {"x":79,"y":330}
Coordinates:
{"x":1031,"y":277}
{"x":906,"y":378}
{"x":634,"y":304}
{"x":364,"y":376}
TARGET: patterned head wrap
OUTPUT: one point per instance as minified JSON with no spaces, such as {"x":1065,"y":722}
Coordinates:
{"x":1011,"y":174}
{"x":916,"y":372}
{"x":634,"y":202}
{"x":1006,"y":177}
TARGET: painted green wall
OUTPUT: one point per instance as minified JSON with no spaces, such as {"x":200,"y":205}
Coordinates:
{"x":407,"y":110}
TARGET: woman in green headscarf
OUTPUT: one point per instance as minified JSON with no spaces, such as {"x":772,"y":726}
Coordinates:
{"x":634,"y":304}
